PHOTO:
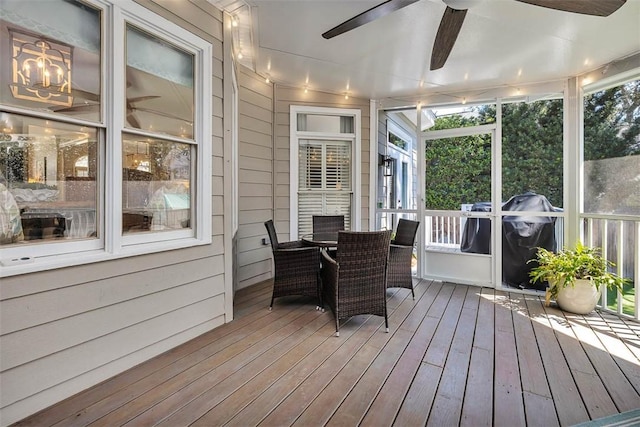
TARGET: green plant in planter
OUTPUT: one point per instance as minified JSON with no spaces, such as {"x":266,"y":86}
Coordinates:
{"x":562,"y":269}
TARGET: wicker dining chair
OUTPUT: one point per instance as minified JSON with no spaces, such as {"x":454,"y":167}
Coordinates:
{"x":400,"y":255}
{"x":355,"y":282}
{"x":327,"y":223}
{"x":297,"y":268}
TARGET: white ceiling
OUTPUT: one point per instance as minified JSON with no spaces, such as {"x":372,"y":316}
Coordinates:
{"x":503,"y":43}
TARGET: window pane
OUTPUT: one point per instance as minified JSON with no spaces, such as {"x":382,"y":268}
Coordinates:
{"x":532,"y":150}
{"x":612,"y":151}
{"x":160,"y":77}
{"x":325,"y":123}
{"x":310,"y":155}
{"x":461,"y":116}
{"x":48,"y":180}
{"x":54,"y":48}
{"x":156,"y":184}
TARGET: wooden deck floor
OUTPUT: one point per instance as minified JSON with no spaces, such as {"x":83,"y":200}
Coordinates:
{"x":456,"y":355}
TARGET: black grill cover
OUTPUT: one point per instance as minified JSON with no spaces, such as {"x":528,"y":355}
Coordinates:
{"x":521,"y":236}
{"x":476,"y":235}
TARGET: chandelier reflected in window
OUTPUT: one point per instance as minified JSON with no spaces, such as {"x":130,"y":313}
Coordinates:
{"x":41,"y":69}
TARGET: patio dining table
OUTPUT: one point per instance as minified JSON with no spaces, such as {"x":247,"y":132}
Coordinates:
{"x":325,"y":239}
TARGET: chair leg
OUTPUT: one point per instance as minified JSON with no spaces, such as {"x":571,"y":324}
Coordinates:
{"x":337,"y":327}
{"x":271,"y":304}
{"x":413,"y":295}
{"x":386,"y":320}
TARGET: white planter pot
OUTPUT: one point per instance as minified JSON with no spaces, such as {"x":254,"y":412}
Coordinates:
{"x":580,"y":298}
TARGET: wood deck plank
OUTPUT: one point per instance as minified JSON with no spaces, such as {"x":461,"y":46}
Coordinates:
{"x":237,"y":354}
{"x":538,"y":404}
{"x":508,"y":402}
{"x":69,"y":409}
{"x":230,"y":372}
{"x":456,"y":355}
{"x":389,"y":400}
{"x":566,"y":395}
{"x":477,"y":408}
{"x":300,"y":398}
{"x":447,"y":406}
{"x":605,"y":372}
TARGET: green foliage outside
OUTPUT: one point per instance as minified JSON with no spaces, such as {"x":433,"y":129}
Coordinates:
{"x":458,"y":168}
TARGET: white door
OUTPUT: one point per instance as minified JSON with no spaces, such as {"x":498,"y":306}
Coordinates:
{"x":459,"y":228}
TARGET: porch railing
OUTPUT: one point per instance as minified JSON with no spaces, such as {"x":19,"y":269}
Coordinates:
{"x":619,"y":238}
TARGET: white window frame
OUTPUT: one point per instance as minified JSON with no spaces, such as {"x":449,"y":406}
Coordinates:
{"x":111,"y":244}
{"x":295,"y":136}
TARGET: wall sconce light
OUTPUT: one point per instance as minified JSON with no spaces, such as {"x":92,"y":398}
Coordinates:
{"x":386,"y":162}
{"x":41,"y":69}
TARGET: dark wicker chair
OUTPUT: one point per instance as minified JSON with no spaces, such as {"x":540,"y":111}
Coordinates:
{"x":327,"y":223}
{"x":355,"y":282}
{"x":400,"y":255}
{"x":297,"y":268}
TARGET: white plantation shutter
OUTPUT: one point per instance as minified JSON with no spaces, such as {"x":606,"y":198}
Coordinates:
{"x":324,"y":185}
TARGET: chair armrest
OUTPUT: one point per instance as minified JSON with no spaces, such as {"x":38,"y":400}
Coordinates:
{"x":292,"y":244}
{"x":329,"y":269}
{"x":399,"y":252}
{"x":297,"y":260}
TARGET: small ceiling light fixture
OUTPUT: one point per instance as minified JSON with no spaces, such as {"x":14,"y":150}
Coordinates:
{"x":234,"y":20}
{"x":346,"y":95}
{"x":464,"y":101}
{"x":267,"y":78}
{"x":306,"y":89}
{"x":240,"y":55}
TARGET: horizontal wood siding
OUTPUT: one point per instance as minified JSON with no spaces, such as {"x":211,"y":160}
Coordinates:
{"x":255,"y":186}
{"x":285,"y":98}
{"x":64,"y":330}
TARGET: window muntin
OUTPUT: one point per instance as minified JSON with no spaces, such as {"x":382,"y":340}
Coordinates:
{"x":156,"y":184}
{"x":56,"y":69}
{"x":46,"y":196}
{"x":159,"y":85}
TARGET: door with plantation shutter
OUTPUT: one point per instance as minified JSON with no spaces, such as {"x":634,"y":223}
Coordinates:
{"x":324,"y":185}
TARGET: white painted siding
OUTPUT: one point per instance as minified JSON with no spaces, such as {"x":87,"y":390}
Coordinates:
{"x":255,"y":187}
{"x":62,"y":331}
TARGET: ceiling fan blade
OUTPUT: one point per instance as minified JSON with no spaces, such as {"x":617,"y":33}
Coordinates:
{"x":143,"y":98}
{"x":585,"y":7}
{"x":367,"y":16}
{"x":446,"y":36}
{"x":132,"y":120}
{"x":160,"y":113}
{"x":78,"y":108}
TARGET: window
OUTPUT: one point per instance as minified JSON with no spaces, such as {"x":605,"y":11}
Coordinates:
{"x":322,"y":158}
{"x":100,"y":155}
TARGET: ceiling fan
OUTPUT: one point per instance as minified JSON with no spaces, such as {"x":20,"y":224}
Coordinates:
{"x":131,"y":108}
{"x":455,"y":13}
